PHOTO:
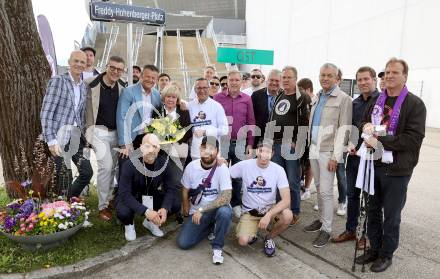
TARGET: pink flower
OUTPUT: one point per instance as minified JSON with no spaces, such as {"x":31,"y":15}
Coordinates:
{"x":48,"y":208}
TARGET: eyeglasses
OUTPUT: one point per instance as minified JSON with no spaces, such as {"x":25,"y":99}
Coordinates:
{"x":223,"y":84}
{"x":113,"y":69}
{"x":214,"y":83}
{"x":255,"y":76}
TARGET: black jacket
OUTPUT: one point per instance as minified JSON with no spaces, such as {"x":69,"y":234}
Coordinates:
{"x":133,"y":184}
{"x":261,"y":112}
{"x":407,"y":141}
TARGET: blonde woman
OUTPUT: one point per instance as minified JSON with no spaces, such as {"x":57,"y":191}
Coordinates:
{"x":171,"y":98}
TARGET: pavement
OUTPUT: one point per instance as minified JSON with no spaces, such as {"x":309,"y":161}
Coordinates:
{"x":418,"y":255}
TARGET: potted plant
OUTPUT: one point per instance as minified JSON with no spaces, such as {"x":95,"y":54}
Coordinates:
{"x":37,"y":225}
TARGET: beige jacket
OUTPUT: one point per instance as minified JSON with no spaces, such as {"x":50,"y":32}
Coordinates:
{"x":335,"y":125}
{"x":93,"y":95}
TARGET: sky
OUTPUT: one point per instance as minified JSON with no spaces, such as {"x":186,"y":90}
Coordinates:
{"x":68,"y":20}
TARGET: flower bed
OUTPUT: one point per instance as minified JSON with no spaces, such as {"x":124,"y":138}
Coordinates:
{"x":42,"y":225}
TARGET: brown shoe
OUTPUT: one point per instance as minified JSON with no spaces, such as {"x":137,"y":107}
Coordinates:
{"x":295,"y":220}
{"x":345,"y":236}
{"x":105,"y":214}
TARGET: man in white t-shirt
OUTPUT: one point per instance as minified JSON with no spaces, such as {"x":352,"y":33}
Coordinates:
{"x":206,"y":195}
{"x":208,"y":117}
{"x":261,"y":179}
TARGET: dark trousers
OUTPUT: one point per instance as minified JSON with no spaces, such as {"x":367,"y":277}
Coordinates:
{"x":64,"y":185}
{"x":236,"y":182}
{"x":126,"y":214}
{"x":353,"y":193}
{"x":342,"y":181}
{"x":293,"y":171}
{"x":383,"y":227}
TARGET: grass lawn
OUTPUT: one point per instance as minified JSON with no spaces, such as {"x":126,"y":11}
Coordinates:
{"x":88,"y":242}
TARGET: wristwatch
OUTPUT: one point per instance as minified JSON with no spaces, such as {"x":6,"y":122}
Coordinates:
{"x":200,"y":209}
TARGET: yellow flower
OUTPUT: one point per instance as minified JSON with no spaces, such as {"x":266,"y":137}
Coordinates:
{"x":173,"y":129}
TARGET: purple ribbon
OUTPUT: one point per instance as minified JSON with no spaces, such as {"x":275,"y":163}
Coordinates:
{"x":377,"y":114}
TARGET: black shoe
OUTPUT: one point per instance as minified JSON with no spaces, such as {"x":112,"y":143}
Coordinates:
{"x":370,"y":256}
{"x":313,"y":227}
{"x":381,"y":264}
{"x":179,"y":218}
{"x":321,"y":240}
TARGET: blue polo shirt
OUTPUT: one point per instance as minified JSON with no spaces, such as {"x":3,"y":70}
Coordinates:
{"x":316,"y":121}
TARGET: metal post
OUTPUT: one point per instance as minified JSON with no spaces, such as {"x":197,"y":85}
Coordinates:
{"x":129,"y":50}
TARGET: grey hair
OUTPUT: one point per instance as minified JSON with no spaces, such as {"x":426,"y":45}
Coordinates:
{"x":330,"y":65}
{"x":234,"y":72}
{"x":274,"y":72}
{"x":291,"y":68}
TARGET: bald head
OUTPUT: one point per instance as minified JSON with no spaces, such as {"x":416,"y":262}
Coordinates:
{"x":151,"y":139}
{"x":77,"y":64}
{"x":150,"y":148}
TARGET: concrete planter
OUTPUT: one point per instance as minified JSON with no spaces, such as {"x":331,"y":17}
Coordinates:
{"x":43,"y":242}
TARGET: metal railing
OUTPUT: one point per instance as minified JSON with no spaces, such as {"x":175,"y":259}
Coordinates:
{"x":182,"y":63}
{"x":109,"y":43}
{"x":202,"y":49}
{"x":137,"y":43}
{"x":158,"y":56}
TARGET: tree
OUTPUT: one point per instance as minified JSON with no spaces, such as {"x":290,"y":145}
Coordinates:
{"x":24,"y":72}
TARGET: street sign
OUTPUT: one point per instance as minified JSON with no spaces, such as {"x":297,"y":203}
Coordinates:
{"x":104,"y":11}
{"x":244,"y":56}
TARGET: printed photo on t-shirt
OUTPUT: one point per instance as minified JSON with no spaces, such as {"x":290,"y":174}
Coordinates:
{"x":200,"y":119}
{"x":259,"y":186}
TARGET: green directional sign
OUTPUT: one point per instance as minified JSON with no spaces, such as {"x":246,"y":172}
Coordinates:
{"x":244,"y":56}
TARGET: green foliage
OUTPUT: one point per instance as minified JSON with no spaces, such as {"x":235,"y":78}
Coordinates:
{"x":88,"y":242}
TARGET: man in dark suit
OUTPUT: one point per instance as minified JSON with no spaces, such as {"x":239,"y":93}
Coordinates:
{"x":264,"y":100}
{"x":62,"y":120}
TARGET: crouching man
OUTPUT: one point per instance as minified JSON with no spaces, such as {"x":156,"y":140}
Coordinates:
{"x":261,"y":179}
{"x":148,"y":188}
{"x":206,"y":195}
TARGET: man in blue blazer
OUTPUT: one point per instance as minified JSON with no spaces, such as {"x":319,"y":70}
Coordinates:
{"x":62,"y":120}
{"x":135,"y":108}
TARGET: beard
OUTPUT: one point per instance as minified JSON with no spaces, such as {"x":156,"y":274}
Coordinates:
{"x":207,"y":160}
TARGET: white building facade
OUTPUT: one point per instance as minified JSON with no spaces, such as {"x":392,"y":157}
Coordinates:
{"x":351,"y":34}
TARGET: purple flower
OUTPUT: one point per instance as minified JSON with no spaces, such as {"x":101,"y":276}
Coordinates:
{"x":26,"y":209}
{"x":9,"y":224}
{"x":14,"y":207}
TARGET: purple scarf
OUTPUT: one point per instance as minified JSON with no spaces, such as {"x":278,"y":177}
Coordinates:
{"x":377,"y":114}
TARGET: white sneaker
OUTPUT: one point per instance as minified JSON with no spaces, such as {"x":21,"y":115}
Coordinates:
{"x":217,"y":256}
{"x":154,"y":229}
{"x":237,"y":211}
{"x":342,"y":209}
{"x":316,"y":207}
{"x":130,"y":233}
{"x":305,"y":195}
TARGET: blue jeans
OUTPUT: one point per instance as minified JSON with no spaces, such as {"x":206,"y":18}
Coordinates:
{"x":293,"y":171}
{"x":342,"y":181}
{"x":236,"y":182}
{"x":191,"y":234}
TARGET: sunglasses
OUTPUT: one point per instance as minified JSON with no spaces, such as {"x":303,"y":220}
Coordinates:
{"x":223,"y":84}
{"x":214,"y":83}
{"x":255,"y":76}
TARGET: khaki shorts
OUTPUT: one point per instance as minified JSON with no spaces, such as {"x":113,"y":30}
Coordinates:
{"x":248,"y":225}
